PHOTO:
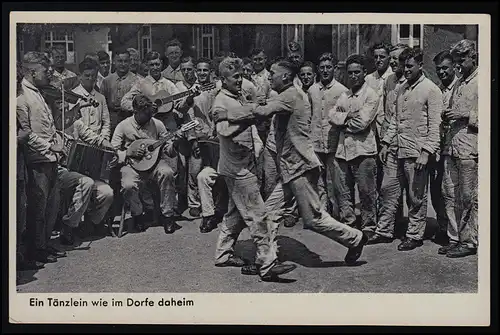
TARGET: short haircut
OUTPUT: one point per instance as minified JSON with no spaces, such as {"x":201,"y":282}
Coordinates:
{"x":294,"y":47}
{"x":88,"y":64}
{"x":229,"y":65}
{"x":417,"y":54}
{"x":204,"y":60}
{"x":58,"y":47}
{"x":140,"y":103}
{"x":187,"y":59}
{"x":133,"y":52}
{"x":403,"y":56}
{"x":440,"y":57}
{"x":256,"y":51}
{"x":91,"y":55}
{"x":356,"y":59}
{"x":290,"y":66}
{"x":35,"y":57}
{"x":328,"y":56}
{"x":121,"y":52}
{"x":173,"y":43}
{"x":385,"y":46}
{"x":308,"y":64}
{"x":464,"y":47}
{"x":246,"y":61}
{"x":399,"y":46}
{"x":152,"y":55}
{"x":103,"y":55}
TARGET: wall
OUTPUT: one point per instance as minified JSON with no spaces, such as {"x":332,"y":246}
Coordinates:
{"x":86,"y":41}
{"x":268,"y":37}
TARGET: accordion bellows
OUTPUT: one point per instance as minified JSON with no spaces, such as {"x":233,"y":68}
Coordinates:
{"x":92,"y":161}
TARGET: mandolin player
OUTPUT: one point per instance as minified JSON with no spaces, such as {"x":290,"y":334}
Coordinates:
{"x":87,"y":196}
{"x":142,"y":125}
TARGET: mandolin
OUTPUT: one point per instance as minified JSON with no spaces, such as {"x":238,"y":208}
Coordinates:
{"x":165,"y":101}
{"x":153,"y":148}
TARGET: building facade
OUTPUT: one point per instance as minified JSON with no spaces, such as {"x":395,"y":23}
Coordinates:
{"x":205,"y":40}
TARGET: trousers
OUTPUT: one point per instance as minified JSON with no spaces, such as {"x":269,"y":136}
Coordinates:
{"x":246,"y":208}
{"x":460,"y":190}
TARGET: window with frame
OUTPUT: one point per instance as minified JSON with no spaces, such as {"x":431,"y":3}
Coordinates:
{"x":145,"y":40}
{"x":206,"y":40}
{"x":110,"y":45}
{"x":410,"y":34}
{"x":55,"y":38}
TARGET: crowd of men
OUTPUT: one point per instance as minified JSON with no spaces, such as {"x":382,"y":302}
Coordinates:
{"x":293,"y":142}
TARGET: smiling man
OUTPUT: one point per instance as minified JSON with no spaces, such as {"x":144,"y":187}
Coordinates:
{"x":414,"y":129}
{"x":324,"y":95}
{"x":307,"y":75}
{"x":461,"y":153}
{"x":381,"y":56}
{"x":173,"y":52}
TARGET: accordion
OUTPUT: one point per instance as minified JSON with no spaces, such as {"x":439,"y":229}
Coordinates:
{"x":92,"y":161}
{"x":209,"y":152}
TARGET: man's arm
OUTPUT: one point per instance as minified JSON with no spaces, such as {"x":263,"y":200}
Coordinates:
{"x":365,"y":116}
{"x":435,"y":108}
{"x":391,"y":130}
{"x":106,"y":121}
{"x":23,"y":117}
{"x":126,"y":102}
{"x":169,"y":147}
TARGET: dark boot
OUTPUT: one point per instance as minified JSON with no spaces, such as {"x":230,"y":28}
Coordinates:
{"x":276,"y":270}
{"x":139,"y":223}
{"x":354,"y":253}
{"x":169,"y":225}
{"x":66,"y":237}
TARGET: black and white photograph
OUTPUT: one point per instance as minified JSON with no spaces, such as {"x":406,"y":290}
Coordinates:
{"x":167,"y":159}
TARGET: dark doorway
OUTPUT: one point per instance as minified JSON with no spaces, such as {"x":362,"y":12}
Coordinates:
{"x":242,"y":39}
{"x":317,"y":40}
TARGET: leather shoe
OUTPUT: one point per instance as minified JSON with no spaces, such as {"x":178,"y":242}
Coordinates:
{"x":461,"y":251}
{"x":208,"y":224}
{"x":354,"y":253}
{"x":410,"y":244}
{"x":276,"y":270}
{"x":139,"y":223}
{"x":444,"y":249}
{"x":58,"y":253}
{"x":195,"y":212}
{"x":168,"y":225}
{"x":66,"y":237}
{"x":44,"y":256}
{"x":232,"y":261}
{"x":250,"y":270}
{"x":376,"y":239}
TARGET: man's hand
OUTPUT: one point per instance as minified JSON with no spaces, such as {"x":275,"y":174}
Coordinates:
{"x":57,"y":147}
{"x":196,"y":89}
{"x":383,"y":153}
{"x":105,"y":143}
{"x":136,"y":153}
{"x":451,"y":114}
{"x":219,"y":115}
{"x":422,"y":160}
{"x":23,"y":136}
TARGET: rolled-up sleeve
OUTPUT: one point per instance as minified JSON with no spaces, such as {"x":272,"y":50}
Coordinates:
{"x":435,"y":108}
{"x":23,"y":116}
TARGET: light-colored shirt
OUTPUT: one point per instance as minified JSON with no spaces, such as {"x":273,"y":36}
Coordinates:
{"x":174,"y":75}
{"x":461,"y":138}
{"x":114,"y":87}
{"x":376,"y":81}
{"x":201,"y":111}
{"x":94,"y":125}
{"x":447,"y":91}
{"x":261,"y":80}
{"x":35,"y":116}
{"x":239,"y":144}
{"x":292,"y":129}
{"x":415,"y":123}
{"x":129,"y":130}
{"x":149,"y":87}
{"x":323,"y":99}
{"x":358,"y":132}
{"x":100,"y":78}
{"x":388,"y":104}
{"x":58,"y":77}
